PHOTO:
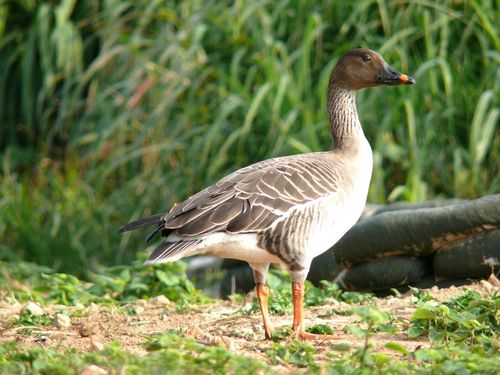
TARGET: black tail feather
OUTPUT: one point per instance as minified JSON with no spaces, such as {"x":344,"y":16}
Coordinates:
{"x":155,"y":219}
{"x":152,"y":234}
{"x":172,"y":251}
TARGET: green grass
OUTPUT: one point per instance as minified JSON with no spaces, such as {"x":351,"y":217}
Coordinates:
{"x":113,"y":111}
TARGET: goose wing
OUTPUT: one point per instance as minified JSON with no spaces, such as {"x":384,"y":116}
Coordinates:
{"x":253,"y":198}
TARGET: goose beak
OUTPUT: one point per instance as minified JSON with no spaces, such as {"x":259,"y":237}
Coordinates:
{"x":406,"y":80}
{"x":391,"y":76}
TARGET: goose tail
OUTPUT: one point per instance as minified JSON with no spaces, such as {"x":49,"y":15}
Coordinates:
{"x":150,"y":220}
{"x":172,"y":251}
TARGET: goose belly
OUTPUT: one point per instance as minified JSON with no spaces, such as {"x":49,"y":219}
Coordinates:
{"x":341,"y":210}
{"x":336,"y":222}
{"x":338,"y":214}
{"x":229,"y":245}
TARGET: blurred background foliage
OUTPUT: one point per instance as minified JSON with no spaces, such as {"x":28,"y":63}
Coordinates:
{"x":114,"y":109}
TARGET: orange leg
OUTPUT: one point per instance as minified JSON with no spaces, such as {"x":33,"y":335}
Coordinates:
{"x":298,"y":315}
{"x":262,"y":295}
{"x":298,"y":307}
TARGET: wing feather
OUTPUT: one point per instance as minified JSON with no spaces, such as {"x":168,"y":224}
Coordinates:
{"x":171,"y":251}
{"x":227,"y":211}
{"x":202,"y":225}
{"x":253,"y":198}
{"x":259,"y":218}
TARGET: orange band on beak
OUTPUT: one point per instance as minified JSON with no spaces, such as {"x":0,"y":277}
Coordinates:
{"x":404,"y":78}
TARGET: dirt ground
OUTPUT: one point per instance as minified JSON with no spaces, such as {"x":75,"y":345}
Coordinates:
{"x":214,"y":323}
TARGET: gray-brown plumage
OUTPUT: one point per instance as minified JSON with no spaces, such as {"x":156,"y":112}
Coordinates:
{"x":288,"y":209}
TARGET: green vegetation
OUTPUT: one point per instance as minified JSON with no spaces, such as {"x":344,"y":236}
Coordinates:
{"x":468,"y":319}
{"x":113,"y":285}
{"x":113,"y":110}
{"x":463,"y":333}
{"x":169,"y":354}
{"x":296,"y":353}
{"x":27,"y":318}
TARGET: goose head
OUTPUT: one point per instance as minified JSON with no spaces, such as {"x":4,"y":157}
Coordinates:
{"x":360,"y":68}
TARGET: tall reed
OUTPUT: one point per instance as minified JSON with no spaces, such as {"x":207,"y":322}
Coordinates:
{"x":123,"y":108}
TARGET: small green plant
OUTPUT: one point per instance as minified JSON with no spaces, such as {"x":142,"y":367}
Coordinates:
{"x":332,"y":290}
{"x":15,"y":271}
{"x":321,"y":329}
{"x":28,"y":319}
{"x":281,"y":333}
{"x":464,"y":319}
{"x":365,"y":360}
{"x":129,"y":282}
{"x":373,"y":320}
{"x":28,"y":281}
{"x":453,"y":358}
{"x":67,"y":290}
{"x":296,"y":353}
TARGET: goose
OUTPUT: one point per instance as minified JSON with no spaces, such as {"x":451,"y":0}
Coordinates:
{"x":289,"y":209}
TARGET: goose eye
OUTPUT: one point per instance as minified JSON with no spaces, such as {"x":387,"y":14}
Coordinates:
{"x":366,"y":58}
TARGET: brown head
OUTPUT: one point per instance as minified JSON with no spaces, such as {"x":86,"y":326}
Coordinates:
{"x":361,"y":67}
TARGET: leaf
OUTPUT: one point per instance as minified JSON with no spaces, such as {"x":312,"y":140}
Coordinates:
{"x":423,"y":313}
{"x":371,"y":314}
{"x":388,"y":328}
{"x":341,"y":347}
{"x":357,"y":331}
{"x":320,"y":329}
{"x":415,"y":331}
{"x":435,"y":335}
{"x":396,"y":347}
{"x":381,"y":358}
{"x":168,"y":279}
{"x":422,"y":355}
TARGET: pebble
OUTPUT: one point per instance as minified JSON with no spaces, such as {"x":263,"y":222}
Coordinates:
{"x":93,"y":370}
{"x":94,"y":307}
{"x":486,"y":285}
{"x":33,"y":307}
{"x":141,"y":303}
{"x":138,"y":310}
{"x":160,"y":300}
{"x":248,"y":333}
{"x":87,"y":329}
{"x":392,"y":301}
{"x":493,"y":280}
{"x":96,"y":346}
{"x":227,"y":342}
{"x":61,"y":321}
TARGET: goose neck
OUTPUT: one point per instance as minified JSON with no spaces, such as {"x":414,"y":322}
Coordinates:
{"x":345,"y":127}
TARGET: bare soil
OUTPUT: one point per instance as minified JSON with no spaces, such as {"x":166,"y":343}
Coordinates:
{"x":94,"y":326}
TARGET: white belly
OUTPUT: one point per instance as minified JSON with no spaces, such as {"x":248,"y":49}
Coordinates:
{"x":338,"y":222}
{"x":234,"y":246}
{"x":344,"y":208}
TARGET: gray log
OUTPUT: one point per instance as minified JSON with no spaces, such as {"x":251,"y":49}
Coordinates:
{"x":384,"y":273}
{"x":419,"y":232}
{"x":475,"y":257}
